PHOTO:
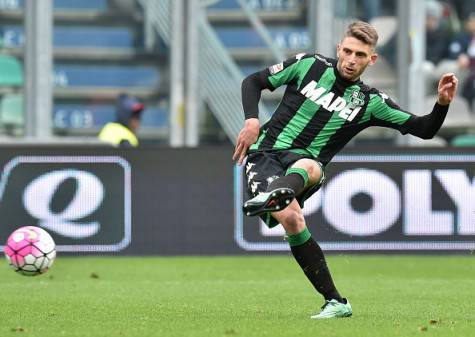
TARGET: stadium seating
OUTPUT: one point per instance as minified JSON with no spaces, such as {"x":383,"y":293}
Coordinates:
{"x":244,"y":37}
{"x":100,"y":5}
{"x":103,"y":37}
{"x":107,"y":76}
{"x":436,"y":141}
{"x":283,"y":19}
{"x":386,"y":27}
{"x":63,"y":4}
{"x":467,"y":140}
{"x":92,"y":116}
{"x":99,"y":51}
{"x":11,"y":112}
{"x":284,"y":7}
{"x":381,"y":75}
{"x":98,"y":54}
{"x":63,"y":37}
{"x":11,"y":73}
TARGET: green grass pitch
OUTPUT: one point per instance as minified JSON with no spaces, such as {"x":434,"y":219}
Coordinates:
{"x":238,"y":296}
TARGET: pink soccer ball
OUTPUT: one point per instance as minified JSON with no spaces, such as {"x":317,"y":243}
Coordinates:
{"x":30,"y":250}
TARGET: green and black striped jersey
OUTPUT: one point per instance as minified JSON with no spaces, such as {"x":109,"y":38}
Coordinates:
{"x":321,"y":111}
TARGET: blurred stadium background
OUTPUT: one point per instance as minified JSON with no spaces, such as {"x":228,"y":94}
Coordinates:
{"x":64,"y":62}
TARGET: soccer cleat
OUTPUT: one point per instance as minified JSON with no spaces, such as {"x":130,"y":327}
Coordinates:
{"x":272,"y":201}
{"x":334,"y":309}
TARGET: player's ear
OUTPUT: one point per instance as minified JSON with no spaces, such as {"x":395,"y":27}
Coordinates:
{"x":338,"y":49}
{"x":373,"y":59}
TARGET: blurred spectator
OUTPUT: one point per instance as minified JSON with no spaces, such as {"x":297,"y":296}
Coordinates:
{"x":121,"y":133}
{"x":462,"y":51}
{"x":450,"y":17}
{"x":438,"y":38}
{"x":463,"y":7}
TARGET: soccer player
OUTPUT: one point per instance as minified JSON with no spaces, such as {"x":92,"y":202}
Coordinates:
{"x":324,"y":106}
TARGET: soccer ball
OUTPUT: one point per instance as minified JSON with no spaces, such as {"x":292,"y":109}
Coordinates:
{"x":30,"y":250}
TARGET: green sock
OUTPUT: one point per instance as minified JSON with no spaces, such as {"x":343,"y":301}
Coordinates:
{"x":298,"y":239}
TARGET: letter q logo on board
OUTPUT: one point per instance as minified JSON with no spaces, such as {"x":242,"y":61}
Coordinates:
{"x":83,"y":201}
{"x":87,"y":198}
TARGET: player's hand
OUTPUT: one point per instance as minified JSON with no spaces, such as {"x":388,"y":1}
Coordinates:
{"x":447,"y":88}
{"x":246,"y":138}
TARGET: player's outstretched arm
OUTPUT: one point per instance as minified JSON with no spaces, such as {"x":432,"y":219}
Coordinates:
{"x":447,"y":88}
{"x":427,"y":126}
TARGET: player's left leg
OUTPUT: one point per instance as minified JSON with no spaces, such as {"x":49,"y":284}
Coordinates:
{"x":311,"y":259}
{"x":303,"y":174}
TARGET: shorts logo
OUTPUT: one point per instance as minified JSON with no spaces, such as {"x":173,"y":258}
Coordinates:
{"x":251,"y":176}
{"x":249,"y":167}
{"x":254,"y":185}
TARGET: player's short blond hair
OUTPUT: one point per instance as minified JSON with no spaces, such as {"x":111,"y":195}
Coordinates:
{"x":364,"y":32}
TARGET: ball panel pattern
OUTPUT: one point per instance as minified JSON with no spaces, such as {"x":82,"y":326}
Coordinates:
{"x":30,"y":250}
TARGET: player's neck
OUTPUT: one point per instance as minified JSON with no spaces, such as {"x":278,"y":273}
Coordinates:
{"x":345,"y":79}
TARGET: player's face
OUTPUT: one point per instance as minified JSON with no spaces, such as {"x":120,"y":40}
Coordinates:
{"x":353,"y":57}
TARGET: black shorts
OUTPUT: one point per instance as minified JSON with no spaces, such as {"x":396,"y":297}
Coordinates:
{"x":263,"y":167}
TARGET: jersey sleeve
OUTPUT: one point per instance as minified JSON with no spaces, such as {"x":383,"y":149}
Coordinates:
{"x":385,"y":112}
{"x":286,"y":72}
